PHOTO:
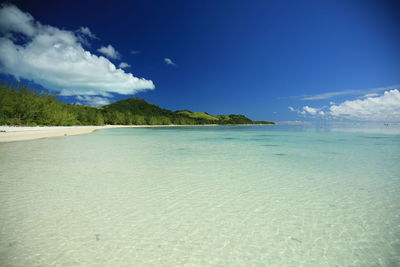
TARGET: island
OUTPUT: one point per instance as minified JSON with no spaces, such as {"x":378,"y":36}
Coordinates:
{"x":23,"y":106}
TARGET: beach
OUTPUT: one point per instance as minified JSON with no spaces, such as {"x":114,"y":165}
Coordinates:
{"x":22,"y":133}
{"x":267,"y":134}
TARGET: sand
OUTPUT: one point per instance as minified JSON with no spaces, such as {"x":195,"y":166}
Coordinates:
{"x":21,"y":133}
{"x":16,"y":133}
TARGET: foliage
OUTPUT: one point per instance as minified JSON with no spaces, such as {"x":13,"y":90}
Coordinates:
{"x":25,"y":106}
{"x":202,"y":115}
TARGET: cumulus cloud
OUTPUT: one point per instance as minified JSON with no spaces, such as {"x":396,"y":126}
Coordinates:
{"x":84,"y":35}
{"x":56,"y":59}
{"x":169,"y":61}
{"x":381,"y":108}
{"x":123,"y":65}
{"x":86,"y":31}
{"x":109,"y":52}
{"x":309,"y":110}
{"x":94,"y":101}
{"x":13,"y":20}
{"x":135,"y":52}
{"x":385,"y":107}
{"x":306,"y":110}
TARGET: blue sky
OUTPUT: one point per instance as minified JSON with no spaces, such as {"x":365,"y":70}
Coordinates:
{"x":269,"y":60}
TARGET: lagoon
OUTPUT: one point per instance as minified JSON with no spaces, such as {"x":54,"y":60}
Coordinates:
{"x":203,"y":196}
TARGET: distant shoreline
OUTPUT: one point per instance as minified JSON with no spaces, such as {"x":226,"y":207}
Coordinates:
{"x":24,"y":133}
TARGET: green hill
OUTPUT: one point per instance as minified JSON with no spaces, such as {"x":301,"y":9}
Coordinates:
{"x":137,"y":106}
{"x":24,"y":106}
{"x":198,"y":115}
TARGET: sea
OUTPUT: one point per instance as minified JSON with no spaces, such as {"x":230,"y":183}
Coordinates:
{"x":283,"y":195}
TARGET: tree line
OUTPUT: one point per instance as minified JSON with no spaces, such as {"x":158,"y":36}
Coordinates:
{"x":25,"y":106}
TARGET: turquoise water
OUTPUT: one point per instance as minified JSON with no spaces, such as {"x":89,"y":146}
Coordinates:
{"x":203,"y":196}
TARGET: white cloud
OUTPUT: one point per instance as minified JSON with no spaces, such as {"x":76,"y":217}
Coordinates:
{"x":135,"y":52}
{"x":306,"y":110}
{"x":123,"y":65}
{"x":384,"y":107}
{"x":329,"y":95}
{"x":168,"y":61}
{"x":84,"y":35}
{"x":13,"y":20}
{"x":109,"y":52}
{"x":381,"y":108}
{"x":56,"y":59}
{"x":348,"y":92}
{"x":94,"y":101}
{"x":86,"y":31}
{"x":309,"y":110}
{"x":370,"y":95}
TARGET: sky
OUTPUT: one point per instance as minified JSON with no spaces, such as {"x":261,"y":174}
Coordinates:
{"x":269,"y":60}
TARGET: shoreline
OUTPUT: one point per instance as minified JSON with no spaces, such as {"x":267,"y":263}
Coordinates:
{"x":24,"y":133}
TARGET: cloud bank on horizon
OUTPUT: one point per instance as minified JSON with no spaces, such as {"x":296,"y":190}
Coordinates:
{"x":56,"y":59}
{"x":371,"y":107}
{"x":365,"y":92}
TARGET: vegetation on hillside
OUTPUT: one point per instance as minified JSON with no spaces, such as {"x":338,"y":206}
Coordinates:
{"x":201,"y":115}
{"x":25,"y":106}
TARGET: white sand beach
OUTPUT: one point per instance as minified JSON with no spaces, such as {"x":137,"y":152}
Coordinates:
{"x":20,"y":133}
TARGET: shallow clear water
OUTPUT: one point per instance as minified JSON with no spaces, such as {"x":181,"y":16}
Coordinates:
{"x":202,"y":196}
